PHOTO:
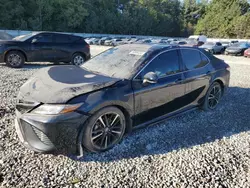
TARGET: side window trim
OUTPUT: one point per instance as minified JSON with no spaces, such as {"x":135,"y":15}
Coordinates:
{"x":179,"y":59}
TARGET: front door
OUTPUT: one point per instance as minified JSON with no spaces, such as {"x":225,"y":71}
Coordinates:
{"x":165,"y":96}
{"x":42,"y":48}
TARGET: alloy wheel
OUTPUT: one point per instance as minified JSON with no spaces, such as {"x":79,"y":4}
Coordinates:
{"x":78,"y":60}
{"x":107,"y":130}
{"x":14,"y":60}
{"x":214,"y":96}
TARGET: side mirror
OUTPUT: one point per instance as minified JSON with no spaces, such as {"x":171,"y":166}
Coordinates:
{"x":34,"y":41}
{"x":150,"y":77}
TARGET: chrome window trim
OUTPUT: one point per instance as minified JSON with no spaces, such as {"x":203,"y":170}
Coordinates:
{"x":134,"y":78}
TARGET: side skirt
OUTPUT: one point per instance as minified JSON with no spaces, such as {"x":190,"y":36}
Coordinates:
{"x":165,"y":117}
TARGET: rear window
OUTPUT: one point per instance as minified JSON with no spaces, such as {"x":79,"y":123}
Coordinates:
{"x":193,"y":59}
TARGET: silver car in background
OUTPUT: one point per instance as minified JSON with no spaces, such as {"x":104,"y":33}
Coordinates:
{"x":213,"y":47}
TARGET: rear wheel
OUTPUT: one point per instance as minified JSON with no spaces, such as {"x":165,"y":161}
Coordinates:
{"x":78,"y":59}
{"x":15,"y":59}
{"x":212,"y":97}
{"x":104,"y":129}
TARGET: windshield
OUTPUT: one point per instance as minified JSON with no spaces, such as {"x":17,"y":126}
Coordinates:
{"x":24,"y":37}
{"x":118,"y":62}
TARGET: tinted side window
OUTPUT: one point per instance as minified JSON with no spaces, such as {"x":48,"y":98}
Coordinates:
{"x":61,"y":38}
{"x":164,"y":64}
{"x":192,"y":59}
{"x":204,"y":60}
{"x":44,"y":38}
{"x":74,"y":38}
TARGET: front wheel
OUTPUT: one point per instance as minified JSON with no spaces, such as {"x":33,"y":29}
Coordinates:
{"x":104,"y":129}
{"x":212,"y":97}
{"x":77,"y":59}
{"x":15,"y":59}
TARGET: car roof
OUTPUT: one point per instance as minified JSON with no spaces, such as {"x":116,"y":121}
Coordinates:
{"x":162,"y":47}
{"x":58,"y":33}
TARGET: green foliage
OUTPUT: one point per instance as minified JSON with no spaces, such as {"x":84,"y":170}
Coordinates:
{"x":216,"y":18}
{"x":143,"y":17}
{"x":223,"y":18}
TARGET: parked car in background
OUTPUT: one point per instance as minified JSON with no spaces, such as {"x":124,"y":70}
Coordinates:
{"x":179,"y":42}
{"x":89,"y":40}
{"x":116,"y":42}
{"x":146,"y":41}
{"x":164,"y":41}
{"x":233,"y":42}
{"x":92,"y":107}
{"x":95,"y":41}
{"x":213,"y":47}
{"x":247,"y":53}
{"x":5,"y":36}
{"x":192,"y":42}
{"x":108,"y":42}
{"x":44,"y":47}
{"x":225,"y":44}
{"x":102,"y":40}
{"x":237,"y":48}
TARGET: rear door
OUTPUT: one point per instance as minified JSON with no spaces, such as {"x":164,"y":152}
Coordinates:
{"x":197,"y":75}
{"x":42,"y":48}
{"x":63,"y":47}
{"x":163,"y":97}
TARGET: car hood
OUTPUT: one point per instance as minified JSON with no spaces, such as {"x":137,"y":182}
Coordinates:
{"x":58,"y":84}
{"x":9,"y":42}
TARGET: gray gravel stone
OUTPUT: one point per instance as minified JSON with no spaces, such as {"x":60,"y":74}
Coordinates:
{"x":196,"y":149}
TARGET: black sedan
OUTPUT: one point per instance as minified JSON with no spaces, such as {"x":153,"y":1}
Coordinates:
{"x":44,"y":47}
{"x":237,"y":48}
{"x":68,"y":108}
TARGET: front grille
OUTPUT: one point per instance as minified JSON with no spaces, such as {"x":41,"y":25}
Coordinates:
{"x":43,"y":137}
{"x":25,"y":106}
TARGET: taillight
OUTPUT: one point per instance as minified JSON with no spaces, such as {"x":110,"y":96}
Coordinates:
{"x":88,"y":46}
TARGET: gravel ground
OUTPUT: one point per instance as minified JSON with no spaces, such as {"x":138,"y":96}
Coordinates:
{"x":196,"y":149}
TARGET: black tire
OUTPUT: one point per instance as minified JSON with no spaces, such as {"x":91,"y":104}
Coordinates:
{"x":78,"y":59}
{"x":15,"y":59}
{"x":212,"y":93}
{"x":93,"y":127}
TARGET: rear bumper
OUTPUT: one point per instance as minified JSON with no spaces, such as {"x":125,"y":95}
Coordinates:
{"x":233,"y":53}
{"x":49,"y":134}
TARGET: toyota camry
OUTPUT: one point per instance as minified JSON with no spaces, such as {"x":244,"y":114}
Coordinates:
{"x":72,"y":109}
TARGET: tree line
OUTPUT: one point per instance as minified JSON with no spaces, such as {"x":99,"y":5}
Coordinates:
{"x":216,"y":18}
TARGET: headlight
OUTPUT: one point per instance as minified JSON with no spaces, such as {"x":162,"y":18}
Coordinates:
{"x":51,"y":109}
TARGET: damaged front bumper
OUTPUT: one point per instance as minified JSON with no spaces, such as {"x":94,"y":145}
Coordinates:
{"x":50,"y":133}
